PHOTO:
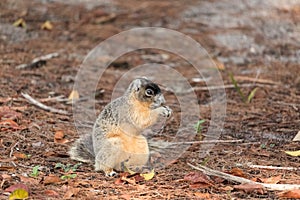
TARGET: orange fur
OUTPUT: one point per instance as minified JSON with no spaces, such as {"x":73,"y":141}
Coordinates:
{"x":142,"y":115}
{"x":132,"y":150}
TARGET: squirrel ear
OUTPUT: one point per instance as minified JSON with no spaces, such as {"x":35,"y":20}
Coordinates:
{"x":136,"y":84}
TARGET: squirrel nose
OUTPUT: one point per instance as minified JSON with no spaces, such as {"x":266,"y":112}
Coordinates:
{"x":161,"y":99}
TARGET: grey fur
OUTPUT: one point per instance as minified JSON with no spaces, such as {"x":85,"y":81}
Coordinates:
{"x":106,"y":150}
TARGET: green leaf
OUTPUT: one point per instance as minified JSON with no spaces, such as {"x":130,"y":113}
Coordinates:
{"x":18,"y":194}
{"x":237,"y":88}
{"x":59,"y":165}
{"x":205,"y":160}
{"x":69,"y":176}
{"x":35,"y":171}
{"x":251,"y":95}
{"x":67,"y":167}
{"x":272,"y":145}
{"x":198,"y":126}
{"x":75,"y":167}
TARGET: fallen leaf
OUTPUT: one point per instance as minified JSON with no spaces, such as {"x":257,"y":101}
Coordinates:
{"x":74,"y":95}
{"x":129,"y":180}
{"x":59,"y":137}
{"x":119,"y":181}
{"x":291,"y":194}
{"x":51,"y":193}
{"x":237,"y":172}
{"x":62,"y":141}
{"x":71,"y":192}
{"x":271,"y":180}
{"x":20,"y":23}
{"x":197,"y":177}
{"x":51,"y":179}
{"x":148,"y":176}
{"x":255,"y":179}
{"x":21,"y":155}
{"x":297,"y":137}
{"x":8,"y":113}
{"x":293,"y":153}
{"x":30,"y":180}
{"x":17,"y":186}
{"x":138,"y":178}
{"x":18,"y":194}
{"x":47,"y":25}
{"x":249,"y":188}
{"x":202,"y":195}
{"x":227,"y":188}
{"x":6,"y":124}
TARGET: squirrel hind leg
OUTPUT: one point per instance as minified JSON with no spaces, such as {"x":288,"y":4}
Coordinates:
{"x":107,"y":158}
{"x":109,"y":171}
{"x":82,"y":149}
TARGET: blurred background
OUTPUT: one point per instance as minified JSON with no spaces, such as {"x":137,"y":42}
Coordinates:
{"x":255,"y":45}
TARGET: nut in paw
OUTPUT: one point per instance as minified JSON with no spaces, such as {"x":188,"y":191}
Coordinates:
{"x":166,"y":112}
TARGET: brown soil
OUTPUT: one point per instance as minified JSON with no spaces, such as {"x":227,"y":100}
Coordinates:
{"x":249,"y":39}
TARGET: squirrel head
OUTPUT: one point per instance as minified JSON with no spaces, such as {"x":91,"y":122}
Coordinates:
{"x":145,"y":91}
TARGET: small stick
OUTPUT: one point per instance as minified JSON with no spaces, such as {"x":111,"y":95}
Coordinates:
{"x":270,"y":187}
{"x":256,"y":80}
{"x":39,"y":60}
{"x":43,"y":106}
{"x":12,"y":149}
{"x":230,"y":86}
{"x":273,"y":167}
{"x":57,"y":98}
{"x":11,"y":153}
{"x":207,"y":142}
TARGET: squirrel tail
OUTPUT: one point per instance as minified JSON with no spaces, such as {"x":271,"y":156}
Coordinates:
{"x":83,"y":150}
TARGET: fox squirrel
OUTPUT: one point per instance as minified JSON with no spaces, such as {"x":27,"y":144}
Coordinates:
{"x":116,"y":140}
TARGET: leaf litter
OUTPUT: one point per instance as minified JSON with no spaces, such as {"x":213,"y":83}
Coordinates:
{"x":272,"y":115}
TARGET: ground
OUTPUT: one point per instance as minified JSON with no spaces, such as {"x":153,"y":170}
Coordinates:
{"x":257,"y":41}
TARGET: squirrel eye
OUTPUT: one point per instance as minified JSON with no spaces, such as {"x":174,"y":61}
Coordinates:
{"x":149,"y":92}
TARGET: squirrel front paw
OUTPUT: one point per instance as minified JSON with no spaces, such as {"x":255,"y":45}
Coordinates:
{"x":166,"y":111}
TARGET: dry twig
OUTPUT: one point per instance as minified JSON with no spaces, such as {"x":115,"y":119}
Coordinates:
{"x":270,"y":187}
{"x":207,"y":142}
{"x":230,"y":86}
{"x":12,"y":151}
{"x":38,"y":61}
{"x":43,"y":106}
{"x":256,"y":80}
{"x":274,"y":167}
